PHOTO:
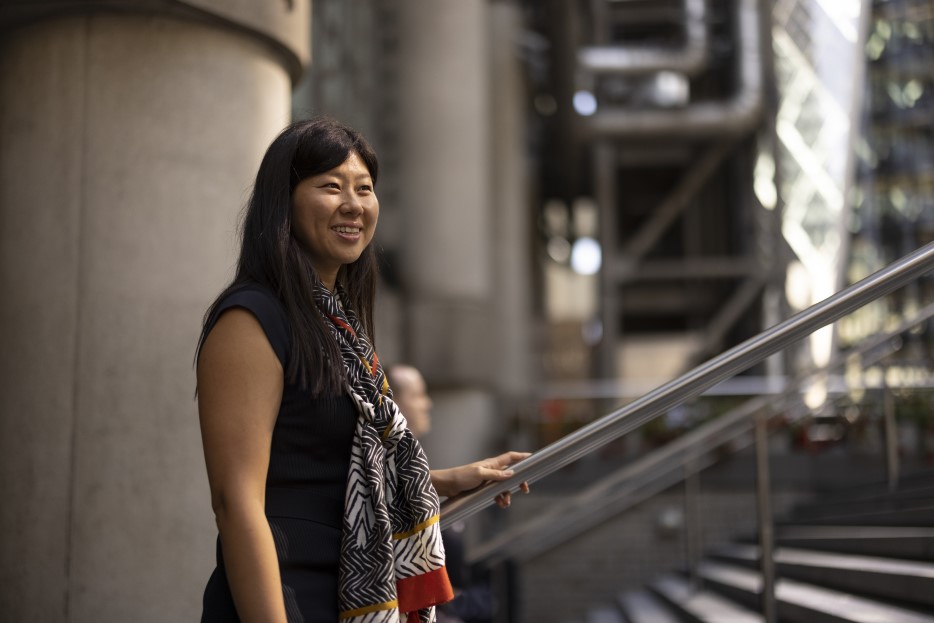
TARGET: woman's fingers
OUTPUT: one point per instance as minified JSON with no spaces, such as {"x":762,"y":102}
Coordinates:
{"x":508,"y":458}
{"x":490,"y":473}
{"x":504,"y":499}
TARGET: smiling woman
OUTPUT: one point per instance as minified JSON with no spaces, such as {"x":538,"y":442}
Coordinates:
{"x":334,"y":216}
{"x":306,"y":451}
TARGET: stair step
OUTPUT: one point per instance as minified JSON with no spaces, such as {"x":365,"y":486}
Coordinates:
{"x":907,"y":482}
{"x":702,"y":605}
{"x":920,"y":497}
{"x":644,"y":607}
{"x":909,"y":581}
{"x":920,"y":516}
{"x":799,"y":602}
{"x":890,"y":541}
{"x":604,"y":614}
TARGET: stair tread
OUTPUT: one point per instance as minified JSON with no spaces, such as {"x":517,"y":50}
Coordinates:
{"x":853,"y":532}
{"x":702,"y":604}
{"x":905,"y":542}
{"x":824,"y":600}
{"x":877,"y":492}
{"x":849,"y":562}
{"x":916,"y":503}
{"x":921,"y":515}
{"x":604,"y":614}
{"x":905,"y":503}
{"x":643,"y":607}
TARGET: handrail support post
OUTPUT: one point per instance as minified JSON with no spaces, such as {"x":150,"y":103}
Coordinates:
{"x":892,"y":465}
{"x":692,"y":535}
{"x":764,"y":511}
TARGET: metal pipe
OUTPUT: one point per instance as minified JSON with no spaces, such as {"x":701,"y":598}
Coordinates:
{"x":629,"y":417}
{"x":689,"y":60}
{"x":735,"y":116}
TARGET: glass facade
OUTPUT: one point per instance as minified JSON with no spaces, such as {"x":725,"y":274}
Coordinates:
{"x":818,"y":70}
{"x":893,"y":201}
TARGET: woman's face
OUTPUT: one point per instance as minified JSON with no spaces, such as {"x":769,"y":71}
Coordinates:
{"x":334,"y":216}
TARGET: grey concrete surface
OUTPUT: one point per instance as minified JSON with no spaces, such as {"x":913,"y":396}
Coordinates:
{"x":129,"y":144}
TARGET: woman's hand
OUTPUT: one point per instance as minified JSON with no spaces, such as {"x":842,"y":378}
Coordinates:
{"x":450,"y":482}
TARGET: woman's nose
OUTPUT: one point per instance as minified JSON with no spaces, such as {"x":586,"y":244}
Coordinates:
{"x":352,"y":205}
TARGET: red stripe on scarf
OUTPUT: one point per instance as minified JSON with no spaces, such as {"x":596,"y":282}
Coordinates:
{"x":342,"y":324}
{"x":421,"y":591}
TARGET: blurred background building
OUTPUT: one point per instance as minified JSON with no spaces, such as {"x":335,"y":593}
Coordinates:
{"x":579,"y":202}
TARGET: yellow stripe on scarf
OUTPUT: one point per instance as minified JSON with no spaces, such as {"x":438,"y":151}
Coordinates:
{"x":404,"y":535}
{"x":388,"y":605}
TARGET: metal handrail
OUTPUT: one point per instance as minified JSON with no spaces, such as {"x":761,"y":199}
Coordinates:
{"x":655,"y":472}
{"x":633,"y":415}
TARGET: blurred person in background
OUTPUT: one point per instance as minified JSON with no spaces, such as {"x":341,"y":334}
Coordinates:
{"x":410,"y":394}
{"x":473,"y":601}
{"x":325,"y":505}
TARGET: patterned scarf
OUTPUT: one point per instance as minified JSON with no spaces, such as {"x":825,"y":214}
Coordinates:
{"x":392,"y":558}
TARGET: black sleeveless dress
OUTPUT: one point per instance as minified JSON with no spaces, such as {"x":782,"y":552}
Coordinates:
{"x":305,"y":485}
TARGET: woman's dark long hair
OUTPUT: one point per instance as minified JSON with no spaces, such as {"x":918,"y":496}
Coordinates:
{"x":271,"y":256}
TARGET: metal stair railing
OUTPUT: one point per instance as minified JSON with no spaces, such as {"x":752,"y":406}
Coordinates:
{"x":633,"y":415}
{"x":669,"y":465}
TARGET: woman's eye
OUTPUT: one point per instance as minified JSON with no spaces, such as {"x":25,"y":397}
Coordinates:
{"x":366,"y":189}
{"x":332,"y":185}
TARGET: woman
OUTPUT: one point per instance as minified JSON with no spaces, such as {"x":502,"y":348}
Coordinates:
{"x":324,"y":503}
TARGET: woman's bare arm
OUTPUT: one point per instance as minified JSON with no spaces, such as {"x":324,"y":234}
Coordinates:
{"x":240,"y":384}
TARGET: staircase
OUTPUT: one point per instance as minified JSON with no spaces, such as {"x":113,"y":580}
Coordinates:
{"x":863,"y":555}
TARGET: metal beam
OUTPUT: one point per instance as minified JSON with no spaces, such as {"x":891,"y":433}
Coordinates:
{"x":709,"y":267}
{"x":669,"y":210}
{"x":728,"y":315}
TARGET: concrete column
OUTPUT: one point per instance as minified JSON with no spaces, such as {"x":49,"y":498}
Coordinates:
{"x":444,"y":113}
{"x":444,"y":190}
{"x":129,"y":140}
{"x":464,"y":239}
{"x":512,"y":224}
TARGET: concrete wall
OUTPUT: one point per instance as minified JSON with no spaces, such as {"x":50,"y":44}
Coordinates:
{"x":129,"y":141}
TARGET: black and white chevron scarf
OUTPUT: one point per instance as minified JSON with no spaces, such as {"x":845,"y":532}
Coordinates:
{"x":392,"y":557}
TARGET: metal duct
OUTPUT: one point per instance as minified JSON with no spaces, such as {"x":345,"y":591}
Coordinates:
{"x":689,"y":60}
{"x":734,"y":116}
